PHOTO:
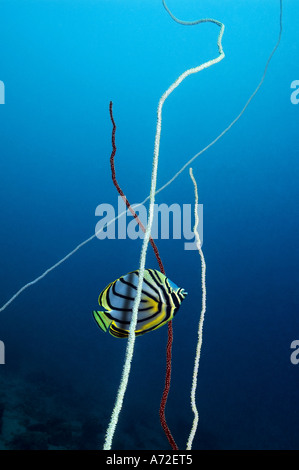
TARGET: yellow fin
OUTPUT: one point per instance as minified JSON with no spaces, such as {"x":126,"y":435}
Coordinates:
{"x":102,"y":320}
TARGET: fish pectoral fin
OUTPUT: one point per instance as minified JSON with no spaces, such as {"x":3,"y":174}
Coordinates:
{"x":102,"y":320}
{"x":149,"y":303}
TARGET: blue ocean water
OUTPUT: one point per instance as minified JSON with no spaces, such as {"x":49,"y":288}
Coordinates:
{"x":61,"y":64}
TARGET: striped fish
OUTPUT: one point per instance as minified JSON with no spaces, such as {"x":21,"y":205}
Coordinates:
{"x":160,"y":301}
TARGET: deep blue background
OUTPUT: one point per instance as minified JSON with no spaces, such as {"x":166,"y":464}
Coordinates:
{"x":62,"y":62}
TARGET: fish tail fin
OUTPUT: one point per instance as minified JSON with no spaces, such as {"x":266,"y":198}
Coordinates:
{"x":102,"y":320}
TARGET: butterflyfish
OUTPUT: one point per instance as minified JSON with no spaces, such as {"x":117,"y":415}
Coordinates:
{"x":160,"y":301}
